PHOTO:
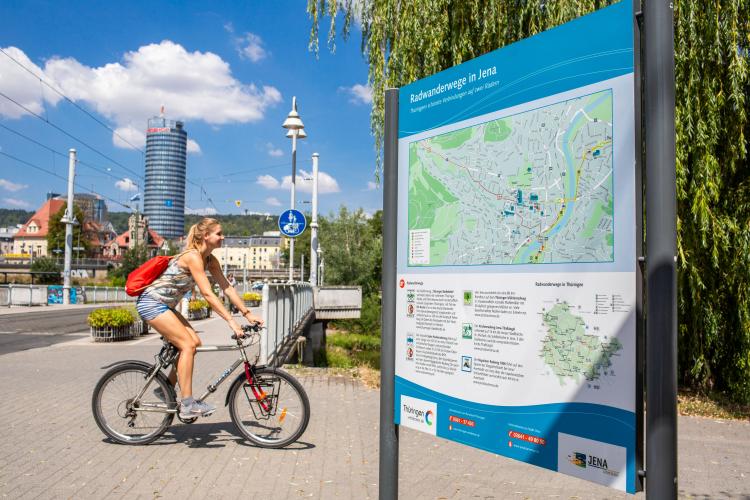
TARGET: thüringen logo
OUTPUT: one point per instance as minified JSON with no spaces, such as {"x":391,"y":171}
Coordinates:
{"x":419,"y":414}
{"x":428,"y":417}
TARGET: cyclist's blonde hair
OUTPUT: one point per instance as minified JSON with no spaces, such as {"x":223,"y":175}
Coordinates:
{"x":198,"y":233}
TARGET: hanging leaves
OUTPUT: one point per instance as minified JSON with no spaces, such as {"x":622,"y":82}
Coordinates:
{"x":407,"y":40}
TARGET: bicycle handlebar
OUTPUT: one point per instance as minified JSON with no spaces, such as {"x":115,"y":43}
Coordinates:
{"x":251,"y":328}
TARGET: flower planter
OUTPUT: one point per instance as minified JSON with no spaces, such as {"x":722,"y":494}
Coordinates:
{"x":252,"y":303}
{"x":112,"y":334}
{"x":198,"y":313}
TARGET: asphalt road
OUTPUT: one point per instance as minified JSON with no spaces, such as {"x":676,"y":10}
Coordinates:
{"x":21,"y":331}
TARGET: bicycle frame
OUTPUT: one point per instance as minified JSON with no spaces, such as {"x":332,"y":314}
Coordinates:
{"x":168,"y":356}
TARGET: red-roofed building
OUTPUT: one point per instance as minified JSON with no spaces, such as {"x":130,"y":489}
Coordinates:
{"x":129,"y":239}
{"x":32,"y":238}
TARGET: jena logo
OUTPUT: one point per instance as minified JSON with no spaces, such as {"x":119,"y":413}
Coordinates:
{"x":582,"y":460}
{"x":419,"y":414}
{"x":597,"y":461}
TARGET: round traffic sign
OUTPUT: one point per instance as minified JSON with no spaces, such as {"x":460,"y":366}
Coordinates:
{"x":292,"y":223}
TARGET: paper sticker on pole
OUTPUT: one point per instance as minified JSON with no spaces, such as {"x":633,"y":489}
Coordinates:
{"x":292,"y":223}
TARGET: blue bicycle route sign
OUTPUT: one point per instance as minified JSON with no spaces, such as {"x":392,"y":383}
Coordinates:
{"x":292,"y":223}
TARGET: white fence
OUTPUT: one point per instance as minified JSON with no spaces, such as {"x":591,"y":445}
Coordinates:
{"x":285,"y":310}
{"x":37,"y":295}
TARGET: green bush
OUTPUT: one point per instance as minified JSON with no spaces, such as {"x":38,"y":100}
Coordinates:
{"x":355,"y":341}
{"x":48,"y":266}
{"x":248,"y":296}
{"x":337,"y":357}
{"x":368,"y":322}
{"x":100,"y":318}
{"x":118,"y":281}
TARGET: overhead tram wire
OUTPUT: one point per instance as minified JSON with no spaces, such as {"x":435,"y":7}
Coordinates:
{"x":64,"y":155}
{"x":83,"y":188}
{"x":71,"y":101}
{"x":70,"y":135}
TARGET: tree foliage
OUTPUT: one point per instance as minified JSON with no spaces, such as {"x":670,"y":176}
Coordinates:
{"x":405,"y":41}
{"x":49,"y":266}
{"x":56,"y":232}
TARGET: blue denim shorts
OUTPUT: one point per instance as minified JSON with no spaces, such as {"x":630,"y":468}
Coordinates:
{"x":148,"y":307}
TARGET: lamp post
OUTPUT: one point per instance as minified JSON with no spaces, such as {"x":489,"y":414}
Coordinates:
{"x":296,"y":130}
{"x":314,"y":224}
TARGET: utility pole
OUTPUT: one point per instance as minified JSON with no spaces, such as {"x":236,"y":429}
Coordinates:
{"x":69,"y":220}
{"x":314,"y":224}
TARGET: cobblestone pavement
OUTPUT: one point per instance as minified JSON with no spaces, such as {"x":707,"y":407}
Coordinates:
{"x":53,"y":449}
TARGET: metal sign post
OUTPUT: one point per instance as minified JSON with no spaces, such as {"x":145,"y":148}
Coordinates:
{"x":661,"y":256}
{"x":388,"y":467}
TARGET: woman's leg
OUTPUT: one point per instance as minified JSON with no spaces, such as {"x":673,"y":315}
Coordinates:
{"x":173,"y":372}
{"x":171,"y":328}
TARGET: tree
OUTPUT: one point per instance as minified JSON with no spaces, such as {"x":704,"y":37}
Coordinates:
{"x":712,"y":52}
{"x":56,"y":232}
{"x":131,"y":259}
{"x":48,"y":266}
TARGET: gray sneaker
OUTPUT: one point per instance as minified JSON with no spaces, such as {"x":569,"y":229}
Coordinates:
{"x":196,"y":409}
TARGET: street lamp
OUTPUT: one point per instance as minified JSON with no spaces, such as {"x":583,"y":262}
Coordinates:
{"x":296,"y":130}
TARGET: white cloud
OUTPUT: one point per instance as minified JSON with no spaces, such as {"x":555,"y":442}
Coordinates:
{"x":126,"y":184}
{"x":194,"y":86}
{"x":273,"y":201}
{"x":250,"y":46}
{"x":13,"y":202}
{"x":12,"y":186}
{"x":268,"y":182}
{"x":372,"y":186}
{"x":326,"y":183}
{"x":273,"y":151}
{"x":21,"y":86}
{"x":128,"y":137}
{"x":359,"y":94}
{"x":193,"y":147}
{"x":200,"y":211}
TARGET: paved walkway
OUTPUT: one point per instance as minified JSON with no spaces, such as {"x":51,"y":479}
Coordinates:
{"x":53,"y":449}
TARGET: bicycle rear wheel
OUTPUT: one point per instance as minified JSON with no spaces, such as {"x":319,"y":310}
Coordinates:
{"x":125,"y":421}
{"x":275,"y":414}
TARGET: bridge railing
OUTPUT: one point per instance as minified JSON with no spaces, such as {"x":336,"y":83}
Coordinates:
{"x":23,"y":295}
{"x":286,"y":309}
{"x":39,"y":295}
{"x":104,"y":294}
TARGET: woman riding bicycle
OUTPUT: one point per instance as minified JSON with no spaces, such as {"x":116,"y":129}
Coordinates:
{"x":157,"y":303}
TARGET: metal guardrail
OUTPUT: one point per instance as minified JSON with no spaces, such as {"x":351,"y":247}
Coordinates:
{"x":37,"y":295}
{"x":23,"y":295}
{"x":286,"y":310}
{"x":104,"y":294}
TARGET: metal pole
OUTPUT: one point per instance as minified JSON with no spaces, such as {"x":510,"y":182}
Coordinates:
{"x":388,"y":471}
{"x":314,"y":224}
{"x":68,"y":219}
{"x":661,"y":248}
{"x":244,"y":272}
{"x":294,"y":180}
{"x":226,"y":259}
{"x":302,"y":267}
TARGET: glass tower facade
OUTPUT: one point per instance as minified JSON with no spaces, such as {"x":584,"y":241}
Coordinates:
{"x":166,"y":161}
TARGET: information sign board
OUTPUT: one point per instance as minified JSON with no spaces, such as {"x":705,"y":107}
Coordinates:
{"x":292,"y":223}
{"x":516,"y":262}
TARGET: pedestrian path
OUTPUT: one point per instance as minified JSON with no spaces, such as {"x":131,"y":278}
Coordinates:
{"x":53,"y":449}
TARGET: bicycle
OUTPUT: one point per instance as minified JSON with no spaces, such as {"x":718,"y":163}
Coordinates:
{"x":268,"y":406}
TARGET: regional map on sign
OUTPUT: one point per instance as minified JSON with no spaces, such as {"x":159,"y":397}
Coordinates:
{"x":570,"y":351}
{"x":535,"y":187}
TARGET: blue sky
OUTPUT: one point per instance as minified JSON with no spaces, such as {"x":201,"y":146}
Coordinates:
{"x":228,"y":69}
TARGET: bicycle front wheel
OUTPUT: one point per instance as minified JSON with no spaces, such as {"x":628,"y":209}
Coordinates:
{"x":122,"y":418}
{"x":273,"y":412}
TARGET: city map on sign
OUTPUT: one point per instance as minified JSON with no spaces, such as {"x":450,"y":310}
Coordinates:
{"x":531,"y":188}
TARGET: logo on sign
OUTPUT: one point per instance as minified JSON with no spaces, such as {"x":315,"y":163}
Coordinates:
{"x":419,"y":414}
{"x":292,"y":223}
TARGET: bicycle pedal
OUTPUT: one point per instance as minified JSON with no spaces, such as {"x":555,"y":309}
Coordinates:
{"x":208,"y":413}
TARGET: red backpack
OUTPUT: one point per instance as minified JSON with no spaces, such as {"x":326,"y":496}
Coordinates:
{"x":146,"y":273}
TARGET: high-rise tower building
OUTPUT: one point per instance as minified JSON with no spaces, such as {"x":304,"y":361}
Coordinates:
{"x":166,"y":160}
